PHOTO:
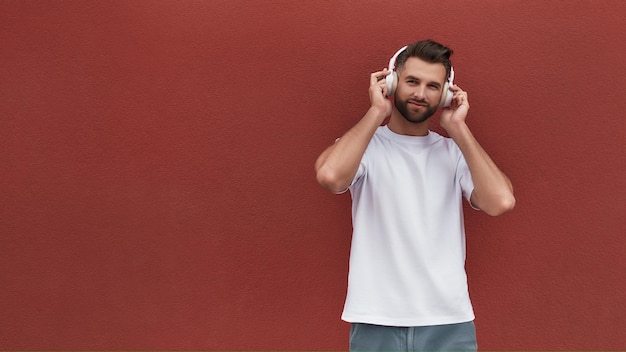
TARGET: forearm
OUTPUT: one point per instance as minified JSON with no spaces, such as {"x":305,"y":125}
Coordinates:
{"x":493,"y":191}
{"x":337,"y":165}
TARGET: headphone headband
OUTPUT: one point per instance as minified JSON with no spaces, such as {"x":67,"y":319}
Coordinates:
{"x":392,"y":62}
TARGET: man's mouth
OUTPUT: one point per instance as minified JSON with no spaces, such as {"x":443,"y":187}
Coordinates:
{"x":418,"y":103}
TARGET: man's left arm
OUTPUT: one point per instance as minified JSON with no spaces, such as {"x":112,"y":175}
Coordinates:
{"x":493,"y":191}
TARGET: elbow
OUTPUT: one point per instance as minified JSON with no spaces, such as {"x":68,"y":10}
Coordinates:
{"x":502,"y":205}
{"x":330,"y":180}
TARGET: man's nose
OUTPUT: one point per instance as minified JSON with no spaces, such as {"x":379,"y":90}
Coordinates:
{"x":419,"y":92}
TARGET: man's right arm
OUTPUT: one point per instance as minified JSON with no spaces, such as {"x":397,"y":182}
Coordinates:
{"x":338,"y":164}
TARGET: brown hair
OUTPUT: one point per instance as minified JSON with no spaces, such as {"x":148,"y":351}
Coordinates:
{"x":427,"y":50}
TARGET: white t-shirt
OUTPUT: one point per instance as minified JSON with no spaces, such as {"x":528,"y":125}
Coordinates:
{"x":407,"y":260}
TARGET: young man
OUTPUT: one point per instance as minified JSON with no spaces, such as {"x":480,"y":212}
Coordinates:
{"x":407,"y":286}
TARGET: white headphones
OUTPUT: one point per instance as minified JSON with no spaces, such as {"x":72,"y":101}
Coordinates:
{"x":392,"y":81}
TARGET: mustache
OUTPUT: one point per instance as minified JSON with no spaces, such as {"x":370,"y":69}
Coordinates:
{"x":418,"y":101}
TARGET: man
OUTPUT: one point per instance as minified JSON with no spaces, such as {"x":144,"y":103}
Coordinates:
{"x":407,"y":286}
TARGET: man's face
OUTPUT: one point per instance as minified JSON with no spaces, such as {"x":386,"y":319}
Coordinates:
{"x":419,"y":89}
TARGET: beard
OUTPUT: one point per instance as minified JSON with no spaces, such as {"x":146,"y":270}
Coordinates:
{"x":412,"y":115}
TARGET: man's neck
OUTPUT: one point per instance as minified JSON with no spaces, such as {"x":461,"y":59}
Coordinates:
{"x":398,"y":124}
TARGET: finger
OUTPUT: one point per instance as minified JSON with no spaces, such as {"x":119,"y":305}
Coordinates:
{"x":378,"y":76}
{"x":458,"y":92}
{"x":383,"y":87}
{"x":461,"y":99}
{"x":379,"y":86}
{"x":456,"y":89}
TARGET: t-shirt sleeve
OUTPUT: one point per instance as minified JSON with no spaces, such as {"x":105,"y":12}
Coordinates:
{"x":360,"y":172}
{"x":465,"y":180}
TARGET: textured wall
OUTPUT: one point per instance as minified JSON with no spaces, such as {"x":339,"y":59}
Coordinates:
{"x":156,"y":168}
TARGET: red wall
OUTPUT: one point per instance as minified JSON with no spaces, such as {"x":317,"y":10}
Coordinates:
{"x":156,"y":168}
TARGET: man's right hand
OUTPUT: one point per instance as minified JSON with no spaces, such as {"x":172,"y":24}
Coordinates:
{"x":378,"y":92}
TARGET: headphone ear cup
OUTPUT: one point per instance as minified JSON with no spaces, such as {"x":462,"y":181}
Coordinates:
{"x":446,"y":96}
{"x":392,"y":82}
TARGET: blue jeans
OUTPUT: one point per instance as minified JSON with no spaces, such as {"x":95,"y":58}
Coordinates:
{"x":451,"y":337}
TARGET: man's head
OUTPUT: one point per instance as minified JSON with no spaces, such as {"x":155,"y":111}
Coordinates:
{"x":422,"y":70}
{"x":429,"y":51}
